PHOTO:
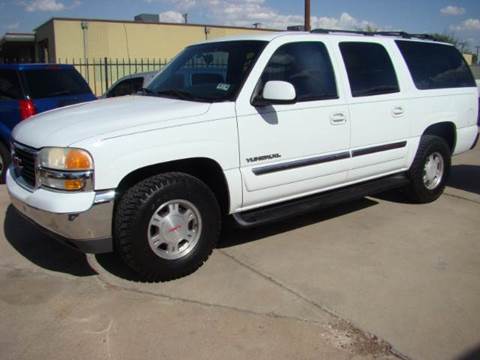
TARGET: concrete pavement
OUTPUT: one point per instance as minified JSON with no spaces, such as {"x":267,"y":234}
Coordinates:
{"x":313,"y":287}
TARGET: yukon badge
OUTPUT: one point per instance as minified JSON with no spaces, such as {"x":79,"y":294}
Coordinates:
{"x":263,"y":158}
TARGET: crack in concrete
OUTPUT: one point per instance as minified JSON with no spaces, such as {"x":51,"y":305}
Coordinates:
{"x":311,"y":302}
{"x":335,"y":317}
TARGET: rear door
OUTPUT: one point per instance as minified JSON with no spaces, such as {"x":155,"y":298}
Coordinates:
{"x":379,"y":113}
{"x":291,"y":150}
{"x":55,"y":86}
{"x":10,"y":94}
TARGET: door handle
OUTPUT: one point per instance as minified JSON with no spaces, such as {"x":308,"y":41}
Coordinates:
{"x":398,"y":111}
{"x":338,"y":119}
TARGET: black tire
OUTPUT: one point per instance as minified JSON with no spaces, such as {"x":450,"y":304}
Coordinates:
{"x":417,"y":191}
{"x":133,"y":214}
{"x":5,"y":162}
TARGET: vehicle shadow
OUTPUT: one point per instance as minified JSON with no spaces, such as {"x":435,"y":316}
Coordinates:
{"x":465,"y":177}
{"x":394,"y":196}
{"x":472,"y":354}
{"x":232,"y":236}
{"x":41,"y":249}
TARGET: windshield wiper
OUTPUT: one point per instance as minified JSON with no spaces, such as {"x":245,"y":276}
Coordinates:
{"x":180,"y":94}
{"x":176,"y":93}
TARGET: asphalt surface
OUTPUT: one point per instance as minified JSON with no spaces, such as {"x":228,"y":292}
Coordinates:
{"x":377,"y":278}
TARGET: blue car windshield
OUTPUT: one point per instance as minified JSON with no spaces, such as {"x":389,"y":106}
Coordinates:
{"x":211,"y":72}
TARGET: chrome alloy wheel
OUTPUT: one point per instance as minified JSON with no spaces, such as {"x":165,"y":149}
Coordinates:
{"x":433,"y":171}
{"x":174,"y":229}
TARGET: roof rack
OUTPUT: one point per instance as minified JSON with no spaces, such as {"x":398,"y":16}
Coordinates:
{"x":401,"y":34}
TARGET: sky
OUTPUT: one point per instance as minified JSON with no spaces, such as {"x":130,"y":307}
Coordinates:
{"x":460,"y":18}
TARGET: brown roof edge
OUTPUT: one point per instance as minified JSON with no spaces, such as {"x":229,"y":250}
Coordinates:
{"x":153,"y":23}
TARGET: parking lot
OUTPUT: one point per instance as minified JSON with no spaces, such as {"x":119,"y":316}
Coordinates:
{"x":347,"y":283}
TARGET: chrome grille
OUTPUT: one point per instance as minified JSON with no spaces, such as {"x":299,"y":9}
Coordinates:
{"x":24,"y":163}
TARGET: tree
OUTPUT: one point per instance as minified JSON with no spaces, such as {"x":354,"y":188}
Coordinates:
{"x":461,"y":45}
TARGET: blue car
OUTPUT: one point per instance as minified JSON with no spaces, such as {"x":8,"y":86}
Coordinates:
{"x":29,"y":89}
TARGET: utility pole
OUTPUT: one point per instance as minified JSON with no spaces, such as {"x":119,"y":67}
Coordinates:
{"x":257,"y":25}
{"x":307,"y":16}
{"x":185,"y":18}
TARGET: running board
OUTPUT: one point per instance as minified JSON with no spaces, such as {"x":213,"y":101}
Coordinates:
{"x":321,"y":201}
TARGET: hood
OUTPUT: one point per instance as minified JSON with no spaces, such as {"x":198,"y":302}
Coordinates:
{"x":65,"y":126}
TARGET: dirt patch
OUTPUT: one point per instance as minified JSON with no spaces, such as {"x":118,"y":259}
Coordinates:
{"x":348,"y":337}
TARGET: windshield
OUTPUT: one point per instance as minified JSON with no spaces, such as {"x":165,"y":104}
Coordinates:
{"x":208,"y":72}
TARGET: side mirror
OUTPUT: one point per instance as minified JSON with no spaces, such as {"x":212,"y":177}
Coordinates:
{"x":278,"y":92}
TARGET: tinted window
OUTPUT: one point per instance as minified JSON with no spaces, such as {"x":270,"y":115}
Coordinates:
{"x":369,"y":68}
{"x":55,"y":82}
{"x":126,"y":87}
{"x":9,"y":85}
{"x":208,"y":72}
{"x":307,"y":67}
{"x":436,"y":66}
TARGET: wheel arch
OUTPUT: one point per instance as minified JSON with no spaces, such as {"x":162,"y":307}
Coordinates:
{"x":205,"y":169}
{"x":446,"y":130}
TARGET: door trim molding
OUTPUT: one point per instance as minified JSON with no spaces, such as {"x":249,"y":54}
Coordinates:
{"x":268,"y":169}
{"x":289,"y":165}
{"x":380,"y":148}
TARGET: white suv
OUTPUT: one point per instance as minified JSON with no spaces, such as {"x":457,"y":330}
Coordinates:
{"x":258,"y":127}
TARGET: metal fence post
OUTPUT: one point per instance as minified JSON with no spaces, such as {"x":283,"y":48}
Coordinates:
{"x":106,"y":73}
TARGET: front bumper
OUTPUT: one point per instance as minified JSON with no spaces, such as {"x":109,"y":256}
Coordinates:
{"x":89,"y":231}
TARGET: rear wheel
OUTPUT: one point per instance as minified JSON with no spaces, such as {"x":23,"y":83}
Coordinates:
{"x":167,"y":226}
{"x":4,"y":162}
{"x":429,"y":170}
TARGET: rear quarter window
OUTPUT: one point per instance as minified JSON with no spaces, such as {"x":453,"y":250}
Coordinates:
{"x":48,"y":83}
{"x":435,"y":66}
{"x":10,"y":85}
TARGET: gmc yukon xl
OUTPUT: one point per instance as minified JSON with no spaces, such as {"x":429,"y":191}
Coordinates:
{"x":258,"y":128}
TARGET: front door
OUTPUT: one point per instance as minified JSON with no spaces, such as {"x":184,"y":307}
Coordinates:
{"x":288,"y":151}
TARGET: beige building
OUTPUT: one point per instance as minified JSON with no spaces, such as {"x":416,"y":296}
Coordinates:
{"x":106,"y":50}
{"x":66,"y":38}
{"x":469,"y":58}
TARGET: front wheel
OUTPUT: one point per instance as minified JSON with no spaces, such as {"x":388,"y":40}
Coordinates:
{"x":166,"y":226}
{"x":429,"y":170}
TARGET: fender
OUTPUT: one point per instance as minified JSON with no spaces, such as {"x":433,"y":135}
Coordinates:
{"x":117,"y":157}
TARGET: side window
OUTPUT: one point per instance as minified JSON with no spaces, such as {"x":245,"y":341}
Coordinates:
{"x":435,"y":66}
{"x":9,"y":85}
{"x":122,"y":88}
{"x":369,"y":68}
{"x":307,"y":66}
{"x":137,"y":85}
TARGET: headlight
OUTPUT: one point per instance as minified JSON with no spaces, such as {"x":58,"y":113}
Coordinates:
{"x":65,"y":169}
